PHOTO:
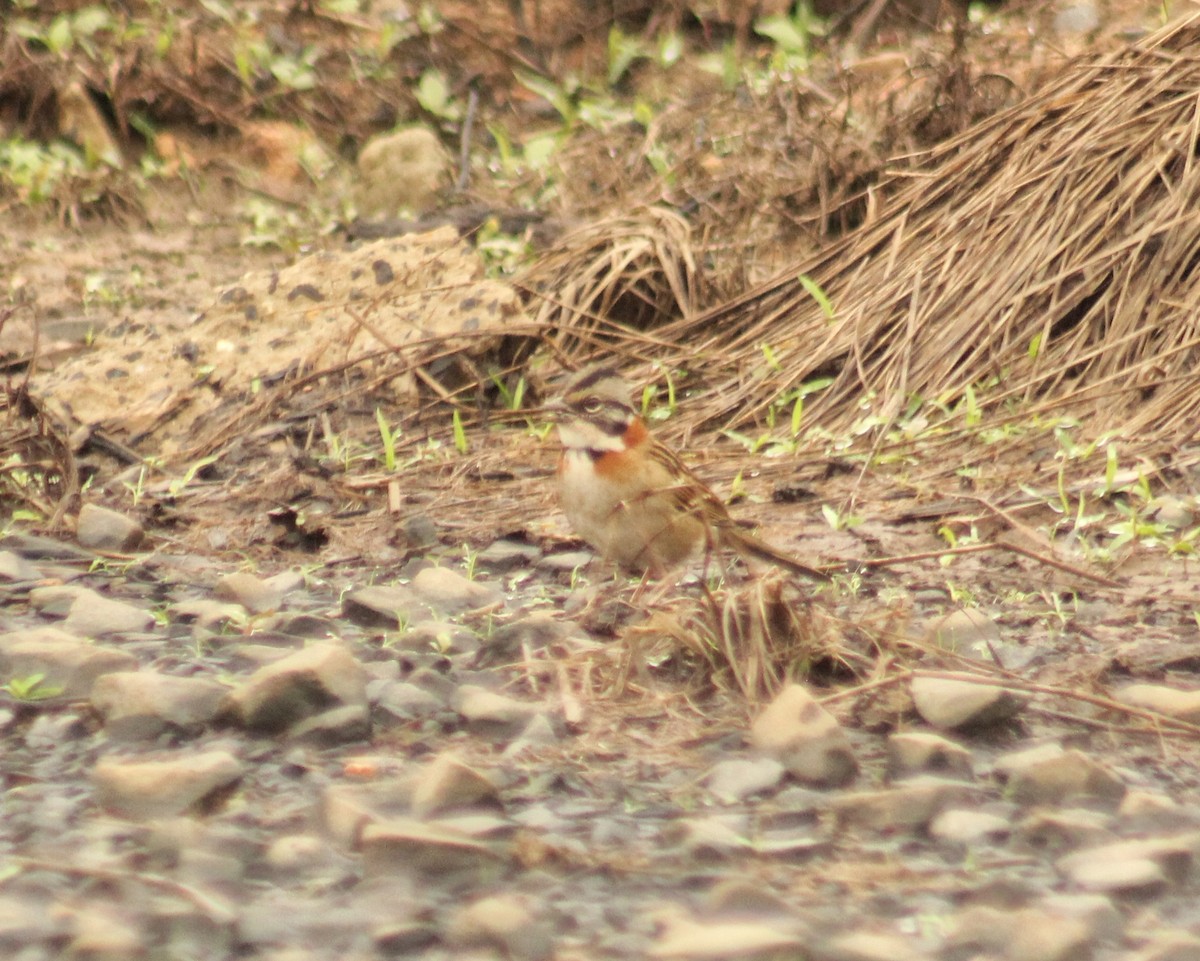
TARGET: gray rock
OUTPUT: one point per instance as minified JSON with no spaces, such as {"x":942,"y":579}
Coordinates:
{"x":66,"y":661}
{"x":910,"y":805}
{"x":736,"y":779}
{"x":338,"y":725}
{"x":805,"y":738}
{"x":403,"y":700}
{"x":409,"y":846}
{"x":251,"y":592}
{"x":1052,"y":775}
{"x":505,"y":922}
{"x":489,"y":712}
{"x":55,"y":600}
{"x":142,"y":704}
{"x":969,"y":826}
{"x":1141,"y":866}
{"x":346,"y":809}
{"x":449,"y":783}
{"x":208,"y":614}
{"x":968,"y":632}
{"x":178,"y":784}
{"x":1057,"y":830}
{"x":538,"y":733}
{"x":400,"y":172}
{"x":683,"y":936}
{"x":1170,"y":701}
{"x":1077,"y":18}
{"x":866,"y":946}
{"x":564,"y":562}
{"x":388,"y":606}
{"x":297,"y":686}
{"x":959,"y":705}
{"x":920,"y":752}
{"x":1170,"y":945}
{"x":13,"y":567}
{"x":449,"y":592}
{"x":505,"y":555}
{"x":1022,"y":934}
{"x":99,"y":528}
{"x":98,"y":616}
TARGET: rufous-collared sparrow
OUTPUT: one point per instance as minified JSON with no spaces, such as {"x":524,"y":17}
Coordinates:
{"x":632,"y":498}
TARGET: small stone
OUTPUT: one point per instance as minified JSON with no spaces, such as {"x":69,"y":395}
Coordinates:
{"x":400,"y":172}
{"x":55,"y":600}
{"x":1142,"y":866}
{"x":736,"y":779}
{"x":488,"y":711}
{"x":208,"y":614}
{"x":1077,"y":18}
{"x":297,"y":686}
{"x":1064,"y":829}
{"x":383,"y":605}
{"x":686,"y":937}
{"x":805,"y":738}
{"x":66,"y":661}
{"x":538,"y":733}
{"x":13,"y":567}
{"x":1170,"y":946}
{"x":142,"y":704}
{"x":405,"y":701}
{"x":868,"y":946}
{"x":178,"y":784}
{"x":101,"y":529}
{"x":706,"y":838}
{"x":1054,"y":776}
{"x":1024,"y":934}
{"x":253,"y":593}
{"x":920,"y":752}
{"x":968,"y":632}
{"x":1145,"y":804}
{"x":338,"y":725}
{"x":958,"y":705}
{"x":509,"y":642}
{"x":97,"y":616}
{"x":346,"y":809}
{"x":406,"y":845}
{"x":448,"y":783}
{"x":969,"y":826}
{"x":504,"y":555}
{"x":910,"y":805}
{"x":505,"y":922}
{"x":449,"y":592}
{"x":564,"y":562}
{"x":1170,"y":701}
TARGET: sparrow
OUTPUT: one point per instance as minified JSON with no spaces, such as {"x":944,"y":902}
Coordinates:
{"x":629,"y":496}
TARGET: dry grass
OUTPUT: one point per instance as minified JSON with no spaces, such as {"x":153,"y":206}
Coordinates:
{"x":1049,"y":252}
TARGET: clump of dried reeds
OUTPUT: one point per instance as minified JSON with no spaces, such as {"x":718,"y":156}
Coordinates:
{"x":1050,"y":251}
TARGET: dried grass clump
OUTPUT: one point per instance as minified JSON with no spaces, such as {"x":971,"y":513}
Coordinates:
{"x":1051,"y":250}
{"x":752,"y":637}
{"x":630,"y":270}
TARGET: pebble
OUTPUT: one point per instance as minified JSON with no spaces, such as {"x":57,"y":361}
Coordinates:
{"x":969,"y":826}
{"x":382,"y":605}
{"x":867,"y":946}
{"x":338,"y":725}
{"x":1023,"y":934}
{"x":448,"y":783}
{"x":142,"y":704}
{"x":404,"y":701}
{"x":400,"y":172}
{"x":409,"y":846}
{"x":804,"y":737}
{"x":449,"y":592}
{"x":967,"y":632}
{"x":295,"y":687}
{"x":488,"y":712}
{"x":1170,"y":701}
{"x":505,"y":922}
{"x":93,"y":615}
{"x":14,"y":567}
{"x":911,"y":753}
{"x":908,"y":806}
{"x":1050,"y":774}
{"x":1125,"y":866}
{"x":683,"y":936}
{"x":65,"y":660}
{"x":251,"y":592}
{"x":959,"y":705}
{"x":736,"y":779}
{"x":503,"y":555}
{"x":101,"y":529}
{"x":177,"y":784}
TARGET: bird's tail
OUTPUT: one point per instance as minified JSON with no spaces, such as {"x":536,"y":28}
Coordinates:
{"x":749,"y":544}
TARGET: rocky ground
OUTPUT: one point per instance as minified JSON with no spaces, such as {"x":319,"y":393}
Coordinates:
{"x":204,"y":763}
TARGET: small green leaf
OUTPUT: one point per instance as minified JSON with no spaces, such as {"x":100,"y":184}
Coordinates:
{"x":460,"y":434}
{"x":816,"y":293}
{"x":1035,"y":346}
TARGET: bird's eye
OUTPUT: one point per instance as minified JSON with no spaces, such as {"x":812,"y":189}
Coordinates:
{"x":592,"y":405}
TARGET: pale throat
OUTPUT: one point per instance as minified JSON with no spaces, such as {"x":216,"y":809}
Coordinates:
{"x":580,"y":435}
